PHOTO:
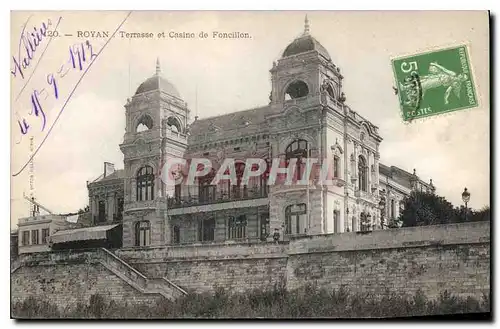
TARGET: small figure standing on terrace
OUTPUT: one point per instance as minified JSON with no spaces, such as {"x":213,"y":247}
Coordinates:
{"x":276,"y":235}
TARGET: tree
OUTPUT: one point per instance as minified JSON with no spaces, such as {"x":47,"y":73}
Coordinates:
{"x":479,"y":215}
{"x":365,"y":224}
{"x":394,"y":222}
{"x":421,"y":208}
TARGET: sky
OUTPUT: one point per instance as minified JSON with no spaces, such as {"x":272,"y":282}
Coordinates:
{"x":218,"y":76}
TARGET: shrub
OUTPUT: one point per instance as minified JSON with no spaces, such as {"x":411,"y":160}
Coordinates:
{"x":306,"y":302}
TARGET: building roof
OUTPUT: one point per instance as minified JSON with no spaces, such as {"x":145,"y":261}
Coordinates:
{"x":243,"y":121}
{"x":82,"y":234}
{"x":384,"y":170}
{"x":117,"y":174}
{"x":157,"y":82}
{"x":401,"y":176}
{"x":304,"y":44}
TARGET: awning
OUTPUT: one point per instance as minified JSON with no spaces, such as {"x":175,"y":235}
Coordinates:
{"x":82,"y":234}
{"x":73,"y":218}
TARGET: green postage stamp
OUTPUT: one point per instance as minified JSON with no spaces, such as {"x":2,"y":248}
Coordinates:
{"x":434,"y":82}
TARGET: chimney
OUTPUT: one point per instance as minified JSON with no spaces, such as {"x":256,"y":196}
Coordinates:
{"x":109,"y":168}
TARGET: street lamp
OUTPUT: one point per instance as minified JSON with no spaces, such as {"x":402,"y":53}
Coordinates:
{"x":465,"y":199}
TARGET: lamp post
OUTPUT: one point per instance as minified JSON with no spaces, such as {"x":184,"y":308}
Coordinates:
{"x":465,"y":199}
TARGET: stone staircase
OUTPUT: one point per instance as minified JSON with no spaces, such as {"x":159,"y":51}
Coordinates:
{"x":136,"y":279}
{"x":109,"y":260}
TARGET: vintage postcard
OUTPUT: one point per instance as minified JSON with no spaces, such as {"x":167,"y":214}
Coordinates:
{"x":294,"y":164}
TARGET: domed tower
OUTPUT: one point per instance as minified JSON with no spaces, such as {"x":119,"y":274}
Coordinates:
{"x":308,"y":122}
{"x":304,"y":68}
{"x":156,"y":128}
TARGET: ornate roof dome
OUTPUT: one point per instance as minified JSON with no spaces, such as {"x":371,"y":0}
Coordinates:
{"x":305,"y":43}
{"x":157,"y":82}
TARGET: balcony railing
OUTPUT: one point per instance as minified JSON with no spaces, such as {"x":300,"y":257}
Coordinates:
{"x":364,"y":195}
{"x":218,"y":196}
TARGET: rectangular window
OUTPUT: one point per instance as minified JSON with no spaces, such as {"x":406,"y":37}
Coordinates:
{"x":206,"y":229}
{"x":177,"y":191}
{"x":207,"y":192}
{"x":300,"y":222}
{"x":209,"y":230}
{"x":354,"y":224}
{"x":336,"y":221}
{"x":288,"y":224}
{"x":26,"y":238}
{"x":295,"y":218}
{"x":264,"y":226}
{"x":34,"y":237}
{"x":393,"y":210}
{"x":102,"y":212}
{"x":119,"y":215}
{"x":237,"y":227}
{"x":145,"y":184}
{"x":336,"y":167}
{"x":176,"y":235}
{"x":264,"y":188}
{"x":45,"y":235}
{"x":143,"y":233}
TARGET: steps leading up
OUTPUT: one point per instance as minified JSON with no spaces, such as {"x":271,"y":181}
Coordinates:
{"x":136,"y":279}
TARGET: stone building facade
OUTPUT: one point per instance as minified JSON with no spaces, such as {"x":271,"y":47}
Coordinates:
{"x":34,"y":232}
{"x":106,"y":196}
{"x":395,"y":185}
{"x":307,"y":117}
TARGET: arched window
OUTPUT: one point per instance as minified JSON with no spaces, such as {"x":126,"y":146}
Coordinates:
{"x":145,"y":184}
{"x":296,"y":89}
{"x":176,"y":234}
{"x":144,"y":123}
{"x":142,"y":233}
{"x":330,"y":91}
{"x":297,"y":150}
{"x":174,"y":124}
{"x":295,"y":218}
{"x":362,"y":173}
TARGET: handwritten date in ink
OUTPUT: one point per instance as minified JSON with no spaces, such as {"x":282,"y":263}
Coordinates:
{"x":79,"y":57}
